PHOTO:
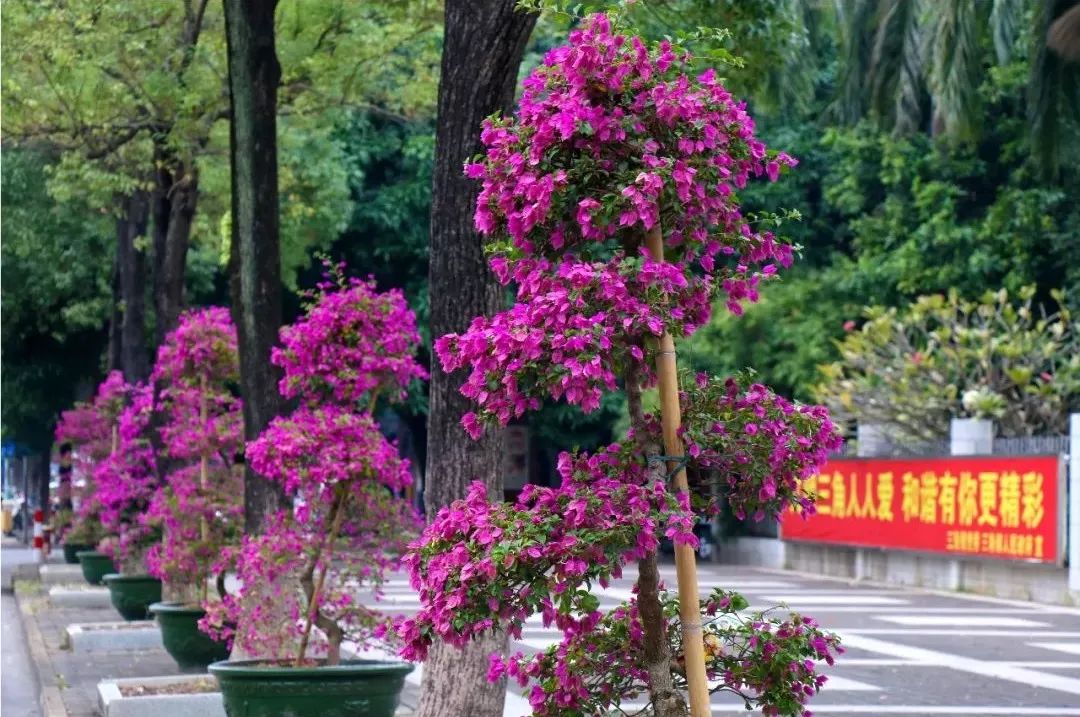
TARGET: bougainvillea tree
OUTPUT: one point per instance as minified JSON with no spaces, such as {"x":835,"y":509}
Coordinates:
{"x":125,"y":484}
{"x":353,"y":348}
{"x":200,"y":506}
{"x":614,"y":140}
{"x":91,"y":431}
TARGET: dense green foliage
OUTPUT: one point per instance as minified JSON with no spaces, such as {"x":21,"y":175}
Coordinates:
{"x":953,"y":168}
{"x":941,"y":357}
{"x":56,"y":295}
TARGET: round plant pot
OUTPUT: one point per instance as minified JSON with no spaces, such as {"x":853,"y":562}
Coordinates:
{"x":192,"y":649}
{"x":357,"y":688}
{"x":132,"y":595}
{"x":70,"y":550}
{"x":95,"y":565}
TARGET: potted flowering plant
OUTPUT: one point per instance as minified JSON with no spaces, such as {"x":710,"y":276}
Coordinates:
{"x":198,"y":508}
{"x":615,"y":150}
{"x":124,"y":483}
{"x":89,"y":430}
{"x":353,"y":348}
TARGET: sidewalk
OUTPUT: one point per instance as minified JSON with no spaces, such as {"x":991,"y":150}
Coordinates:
{"x":69,"y":680}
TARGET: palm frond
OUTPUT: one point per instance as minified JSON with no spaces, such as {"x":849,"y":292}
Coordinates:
{"x":1006,"y":23}
{"x":955,"y":67}
{"x":896,"y":65}
{"x":855,"y":23}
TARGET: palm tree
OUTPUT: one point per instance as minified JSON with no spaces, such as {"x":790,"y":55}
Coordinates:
{"x":916,"y":65}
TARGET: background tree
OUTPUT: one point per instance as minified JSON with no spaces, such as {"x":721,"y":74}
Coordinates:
{"x":1002,"y":357}
{"x":56,"y":294}
{"x":254,"y":74}
{"x":482,"y":48}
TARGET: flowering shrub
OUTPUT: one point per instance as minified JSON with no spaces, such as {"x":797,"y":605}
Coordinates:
{"x":200,"y":506}
{"x":347,"y":526}
{"x":125,"y":483}
{"x":774,"y":654}
{"x":613,"y":141}
{"x":1001,"y":356}
{"x":90,"y":430}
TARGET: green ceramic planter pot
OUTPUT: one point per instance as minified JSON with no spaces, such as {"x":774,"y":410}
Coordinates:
{"x":95,"y":565}
{"x":192,"y":649}
{"x":132,"y":595}
{"x":70,"y":550}
{"x":358,"y":688}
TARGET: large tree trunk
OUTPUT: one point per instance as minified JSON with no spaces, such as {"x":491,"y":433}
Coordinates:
{"x":131,"y":271}
{"x":482,"y":49}
{"x":255,"y":279}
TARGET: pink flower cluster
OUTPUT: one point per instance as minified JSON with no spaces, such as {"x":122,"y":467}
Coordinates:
{"x":200,"y":506}
{"x":573,"y":329}
{"x":353,"y":342}
{"x":612,"y":137}
{"x":482,"y":566}
{"x":126,"y":482}
{"x":768,"y":661}
{"x":760,"y":445}
{"x":88,"y":429}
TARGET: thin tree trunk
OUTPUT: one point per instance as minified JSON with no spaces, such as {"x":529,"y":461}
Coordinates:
{"x":482,"y":50}
{"x":171,"y":262}
{"x":255,"y":278}
{"x":116,"y":318}
{"x":667,"y":702}
{"x":131,"y":266}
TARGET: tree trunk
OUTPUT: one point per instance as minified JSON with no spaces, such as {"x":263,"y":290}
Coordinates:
{"x":482,"y":50}
{"x":131,"y":270}
{"x":255,"y":277}
{"x":666,"y":701}
{"x":171,"y":245}
{"x":116,"y":318}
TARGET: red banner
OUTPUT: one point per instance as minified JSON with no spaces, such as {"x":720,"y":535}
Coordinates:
{"x":992,"y":506}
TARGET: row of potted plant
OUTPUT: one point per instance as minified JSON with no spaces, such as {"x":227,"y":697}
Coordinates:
{"x":162,"y":509}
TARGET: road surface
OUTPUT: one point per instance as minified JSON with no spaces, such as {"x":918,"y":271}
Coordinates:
{"x":908,"y":652}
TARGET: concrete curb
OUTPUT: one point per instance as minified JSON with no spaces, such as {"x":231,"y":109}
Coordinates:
{"x":112,"y":703}
{"x":52,"y":704}
{"x":82,"y":596}
{"x":112,"y":636}
{"x":62,"y":574}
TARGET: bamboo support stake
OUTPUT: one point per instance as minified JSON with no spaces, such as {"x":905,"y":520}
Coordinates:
{"x":204,"y":482}
{"x":685,"y":565}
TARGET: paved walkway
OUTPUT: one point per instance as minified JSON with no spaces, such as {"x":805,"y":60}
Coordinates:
{"x":908,"y":652}
{"x":19,"y":688}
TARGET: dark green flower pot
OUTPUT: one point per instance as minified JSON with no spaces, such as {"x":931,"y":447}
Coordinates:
{"x":132,"y":595}
{"x":192,"y":649}
{"x":95,"y":565}
{"x":70,"y":550}
{"x":358,"y":688}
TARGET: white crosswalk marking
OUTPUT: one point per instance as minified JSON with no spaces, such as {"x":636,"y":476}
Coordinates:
{"x":959,"y":621}
{"x":1073,"y":648}
{"x":849,"y":599}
